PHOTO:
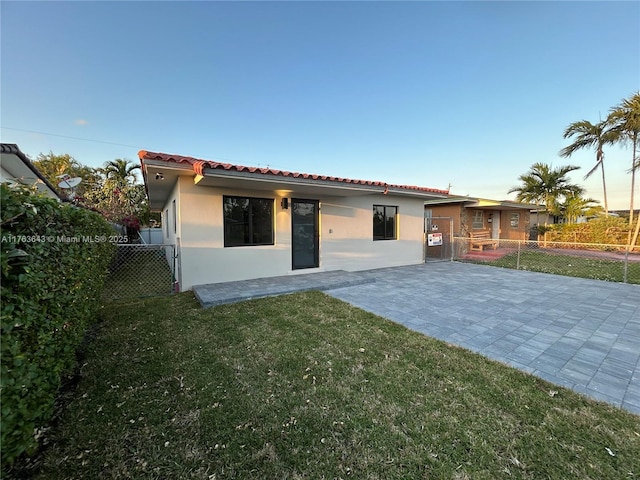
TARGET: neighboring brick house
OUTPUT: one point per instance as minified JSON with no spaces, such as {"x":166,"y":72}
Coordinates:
{"x":502,"y":219}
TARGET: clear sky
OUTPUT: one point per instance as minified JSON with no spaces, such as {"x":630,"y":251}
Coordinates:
{"x":420,"y":93}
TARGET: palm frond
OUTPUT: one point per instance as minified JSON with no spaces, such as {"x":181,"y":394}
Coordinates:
{"x":579,"y":144}
{"x":598,"y":164}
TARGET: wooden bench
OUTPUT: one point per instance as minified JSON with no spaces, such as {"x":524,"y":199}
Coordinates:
{"x":480,"y":238}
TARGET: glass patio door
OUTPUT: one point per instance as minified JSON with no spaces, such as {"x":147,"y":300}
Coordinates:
{"x":305,"y":242}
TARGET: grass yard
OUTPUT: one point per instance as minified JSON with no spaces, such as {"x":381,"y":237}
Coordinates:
{"x":307,"y":387}
{"x":571,"y":265}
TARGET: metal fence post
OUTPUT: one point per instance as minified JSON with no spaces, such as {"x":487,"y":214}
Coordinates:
{"x":451,"y":237}
{"x":626,"y":264}
{"x":518,"y":257}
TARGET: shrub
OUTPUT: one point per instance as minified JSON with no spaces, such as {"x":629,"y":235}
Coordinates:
{"x":54,"y":258}
{"x":605,"y":230}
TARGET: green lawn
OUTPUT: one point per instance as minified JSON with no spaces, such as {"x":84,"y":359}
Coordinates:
{"x":571,"y":265}
{"x":307,"y":387}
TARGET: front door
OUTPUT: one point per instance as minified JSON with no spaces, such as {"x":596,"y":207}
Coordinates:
{"x":304,"y":233}
{"x":495,"y":225}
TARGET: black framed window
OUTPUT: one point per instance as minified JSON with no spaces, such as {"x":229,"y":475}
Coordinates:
{"x":385,"y":222}
{"x":247,"y":221}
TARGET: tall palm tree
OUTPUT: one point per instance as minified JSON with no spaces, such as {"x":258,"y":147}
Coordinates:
{"x":122,"y":172}
{"x":544,"y":185}
{"x":626,"y":121}
{"x":589,"y":135}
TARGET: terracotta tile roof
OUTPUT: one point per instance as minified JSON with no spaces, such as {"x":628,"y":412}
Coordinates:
{"x":199,"y":165}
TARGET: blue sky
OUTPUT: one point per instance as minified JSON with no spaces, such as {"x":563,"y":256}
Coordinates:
{"x":421,"y":93}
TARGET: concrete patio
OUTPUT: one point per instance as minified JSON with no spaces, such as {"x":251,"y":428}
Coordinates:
{"x":579,"y":333}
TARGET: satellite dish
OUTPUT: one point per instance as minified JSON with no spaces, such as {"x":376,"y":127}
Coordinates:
{"x":68,"y":182}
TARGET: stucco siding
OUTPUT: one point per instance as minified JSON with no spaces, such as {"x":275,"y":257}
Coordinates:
{"x":346,"y":236}
{"x":347,"y":233}
{"x":452,"y":211}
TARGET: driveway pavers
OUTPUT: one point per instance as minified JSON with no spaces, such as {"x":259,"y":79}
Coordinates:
{"x":579,"y":333}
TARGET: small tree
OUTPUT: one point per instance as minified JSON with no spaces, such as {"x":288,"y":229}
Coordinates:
{"x":52,"y":166}
{"x":111,"y":190}
{"x":575,"y":206}
{"x":544,"y":185}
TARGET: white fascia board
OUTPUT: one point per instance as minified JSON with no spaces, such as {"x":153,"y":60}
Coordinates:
{"x":289,"y":181}
{"x":168,"y":165}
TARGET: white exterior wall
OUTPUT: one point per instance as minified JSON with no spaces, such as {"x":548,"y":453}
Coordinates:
{"x":346,"y":236}
{"x":169,"y":235}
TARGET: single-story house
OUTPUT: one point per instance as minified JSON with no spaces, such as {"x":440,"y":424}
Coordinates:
{"x":541,"y":217}
{"x":15,"y":166}
{"x":501,"y":219}
{"x":232,"y":222}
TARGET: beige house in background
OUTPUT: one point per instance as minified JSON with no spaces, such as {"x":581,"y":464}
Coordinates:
{"x":232,"y":222}
{"x":501,"y":219}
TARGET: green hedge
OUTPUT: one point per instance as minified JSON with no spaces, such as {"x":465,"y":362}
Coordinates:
{"x":54,"y":261}
{"x":605,"y":230}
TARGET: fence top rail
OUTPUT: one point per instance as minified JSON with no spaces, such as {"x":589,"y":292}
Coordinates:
{"x":554,"y":242}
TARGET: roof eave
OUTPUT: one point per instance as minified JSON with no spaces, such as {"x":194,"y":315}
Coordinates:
{"x":13,"y":149}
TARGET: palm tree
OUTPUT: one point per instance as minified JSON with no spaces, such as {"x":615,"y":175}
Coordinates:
{"x":122,"y":172}
{"x":120,"y":190}
{"x":588,"y":135}
{"x":575,"y":206}
{"x":544,"y":185}
{"x":626,"y":121}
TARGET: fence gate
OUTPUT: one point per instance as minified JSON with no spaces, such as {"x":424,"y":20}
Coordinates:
{"x":141,"y":270}
{"x":438,"y":242}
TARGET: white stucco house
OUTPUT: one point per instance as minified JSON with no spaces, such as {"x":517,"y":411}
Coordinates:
{"x":232,"y":222}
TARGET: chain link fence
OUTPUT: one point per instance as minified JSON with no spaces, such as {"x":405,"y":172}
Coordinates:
{"x":438,"y":239}
{"x":139,"y":270}
{"x":614,"y":263}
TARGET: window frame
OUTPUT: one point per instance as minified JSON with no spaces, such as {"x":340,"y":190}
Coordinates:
{"x":385,"y":235}
{"x":477,"y":213}
{"x":251,"y":222}
{"x":515,"y":215}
